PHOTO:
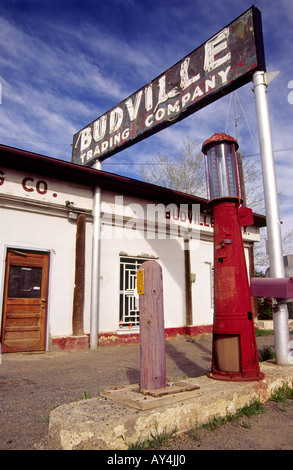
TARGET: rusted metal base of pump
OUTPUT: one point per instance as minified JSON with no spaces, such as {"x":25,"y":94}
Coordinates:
{"x":234,"y":376}
{"x":235,"y":355}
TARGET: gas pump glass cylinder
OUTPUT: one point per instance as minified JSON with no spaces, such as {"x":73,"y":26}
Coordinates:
{"x":220,"y":150}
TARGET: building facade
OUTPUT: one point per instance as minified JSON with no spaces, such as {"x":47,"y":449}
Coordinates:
{"x":46,"y":254}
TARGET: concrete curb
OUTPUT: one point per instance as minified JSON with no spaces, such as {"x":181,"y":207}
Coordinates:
{"x":103,"y":424}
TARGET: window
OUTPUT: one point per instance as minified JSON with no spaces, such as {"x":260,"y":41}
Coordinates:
{"x":129,"y":302}
{"x":25,"y":282}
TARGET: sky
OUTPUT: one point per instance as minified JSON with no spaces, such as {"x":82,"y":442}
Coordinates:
{"x":63,"y":64}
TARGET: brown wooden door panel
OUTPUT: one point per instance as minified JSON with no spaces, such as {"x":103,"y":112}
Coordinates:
{"x":22,"y":319}
{"x":25,"y":301}
{"x":20,"y":305}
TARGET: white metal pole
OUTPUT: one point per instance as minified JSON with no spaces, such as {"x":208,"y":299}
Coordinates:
{"x":95,"y":281}
{"x":277,"y":270}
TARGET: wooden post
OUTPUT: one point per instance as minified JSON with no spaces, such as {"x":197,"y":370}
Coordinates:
{"x":152,"y":332}
{"x":78,"y":299}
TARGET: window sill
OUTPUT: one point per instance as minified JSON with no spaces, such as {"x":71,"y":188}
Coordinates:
{"x":126,"y":331}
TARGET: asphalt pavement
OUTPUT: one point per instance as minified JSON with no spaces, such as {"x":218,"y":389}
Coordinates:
{"x":31,"y":385}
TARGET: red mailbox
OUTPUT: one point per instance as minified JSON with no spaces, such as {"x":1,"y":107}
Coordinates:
{"x":234,"y":352}
{"x":278,"y":288}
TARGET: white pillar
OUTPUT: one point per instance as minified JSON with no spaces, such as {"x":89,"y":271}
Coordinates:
{"x":95,"y":281}
{"x":277,"y":270}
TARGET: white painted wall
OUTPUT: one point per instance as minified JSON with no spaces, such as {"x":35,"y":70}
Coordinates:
{"x":39,"y":221}
{"x":56,"y":235}
{"x":201,"y":266}
{"x":171,"y":258}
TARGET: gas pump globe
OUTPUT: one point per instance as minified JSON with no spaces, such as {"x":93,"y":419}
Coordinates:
{"x":222,"y":166}
{"x":234,"y":350}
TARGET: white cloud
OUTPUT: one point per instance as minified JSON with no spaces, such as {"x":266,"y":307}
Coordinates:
{"x":58,"y":75}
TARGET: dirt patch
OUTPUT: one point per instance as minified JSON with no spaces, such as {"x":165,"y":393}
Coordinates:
{"x":33,"y":384}
{"x":271,"y":430}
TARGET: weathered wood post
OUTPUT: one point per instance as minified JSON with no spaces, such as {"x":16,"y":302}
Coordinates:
{"x":78,"y":298}
{"x":152,"y":332}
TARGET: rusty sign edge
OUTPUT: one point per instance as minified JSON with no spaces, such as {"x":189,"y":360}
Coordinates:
{"x":201,"y":103}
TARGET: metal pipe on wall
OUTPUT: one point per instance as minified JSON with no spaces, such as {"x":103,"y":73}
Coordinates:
{"x":277,"y":270}
{"x":95,"y":281}
{"x":188,"y":285}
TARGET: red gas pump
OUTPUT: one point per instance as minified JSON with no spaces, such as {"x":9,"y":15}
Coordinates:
{"x":234,"y":350}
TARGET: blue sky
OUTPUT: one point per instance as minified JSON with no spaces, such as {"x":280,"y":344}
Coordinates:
{"x":65,"y":63}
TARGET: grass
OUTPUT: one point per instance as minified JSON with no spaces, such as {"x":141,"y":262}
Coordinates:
{"x":155,"y":441}
{"x":52,"y":408}
{"x":266,"y":353}
{"x":282,"y":395}
{"x":259,"y":332}
{"x":86,"y":396}
{"x":255,"y":407}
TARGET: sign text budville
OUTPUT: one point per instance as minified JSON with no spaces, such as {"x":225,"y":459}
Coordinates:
{"x":222,"y":64}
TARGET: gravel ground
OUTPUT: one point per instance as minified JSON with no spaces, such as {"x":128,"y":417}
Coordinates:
{"x":271,"y":430}
{"x":33,"y":384}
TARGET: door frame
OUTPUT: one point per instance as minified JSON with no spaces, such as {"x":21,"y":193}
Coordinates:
{"x":22,"y":249}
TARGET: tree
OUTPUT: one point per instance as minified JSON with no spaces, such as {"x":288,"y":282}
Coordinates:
{"x":183,"y":172}
{"x":255,"y":200}
{"x":186,"y":172}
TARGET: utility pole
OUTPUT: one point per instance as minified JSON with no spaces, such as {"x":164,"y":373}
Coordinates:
{"x":277,"y":270}
{"x":95,"y":284}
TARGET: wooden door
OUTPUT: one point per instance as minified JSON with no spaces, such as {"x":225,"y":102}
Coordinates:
{"x":25,"y":301}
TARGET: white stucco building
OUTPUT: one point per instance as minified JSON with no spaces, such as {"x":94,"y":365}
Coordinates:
{"x":41,"y":200}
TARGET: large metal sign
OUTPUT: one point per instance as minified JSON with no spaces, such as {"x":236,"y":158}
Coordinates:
{"x":222,"y":64}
